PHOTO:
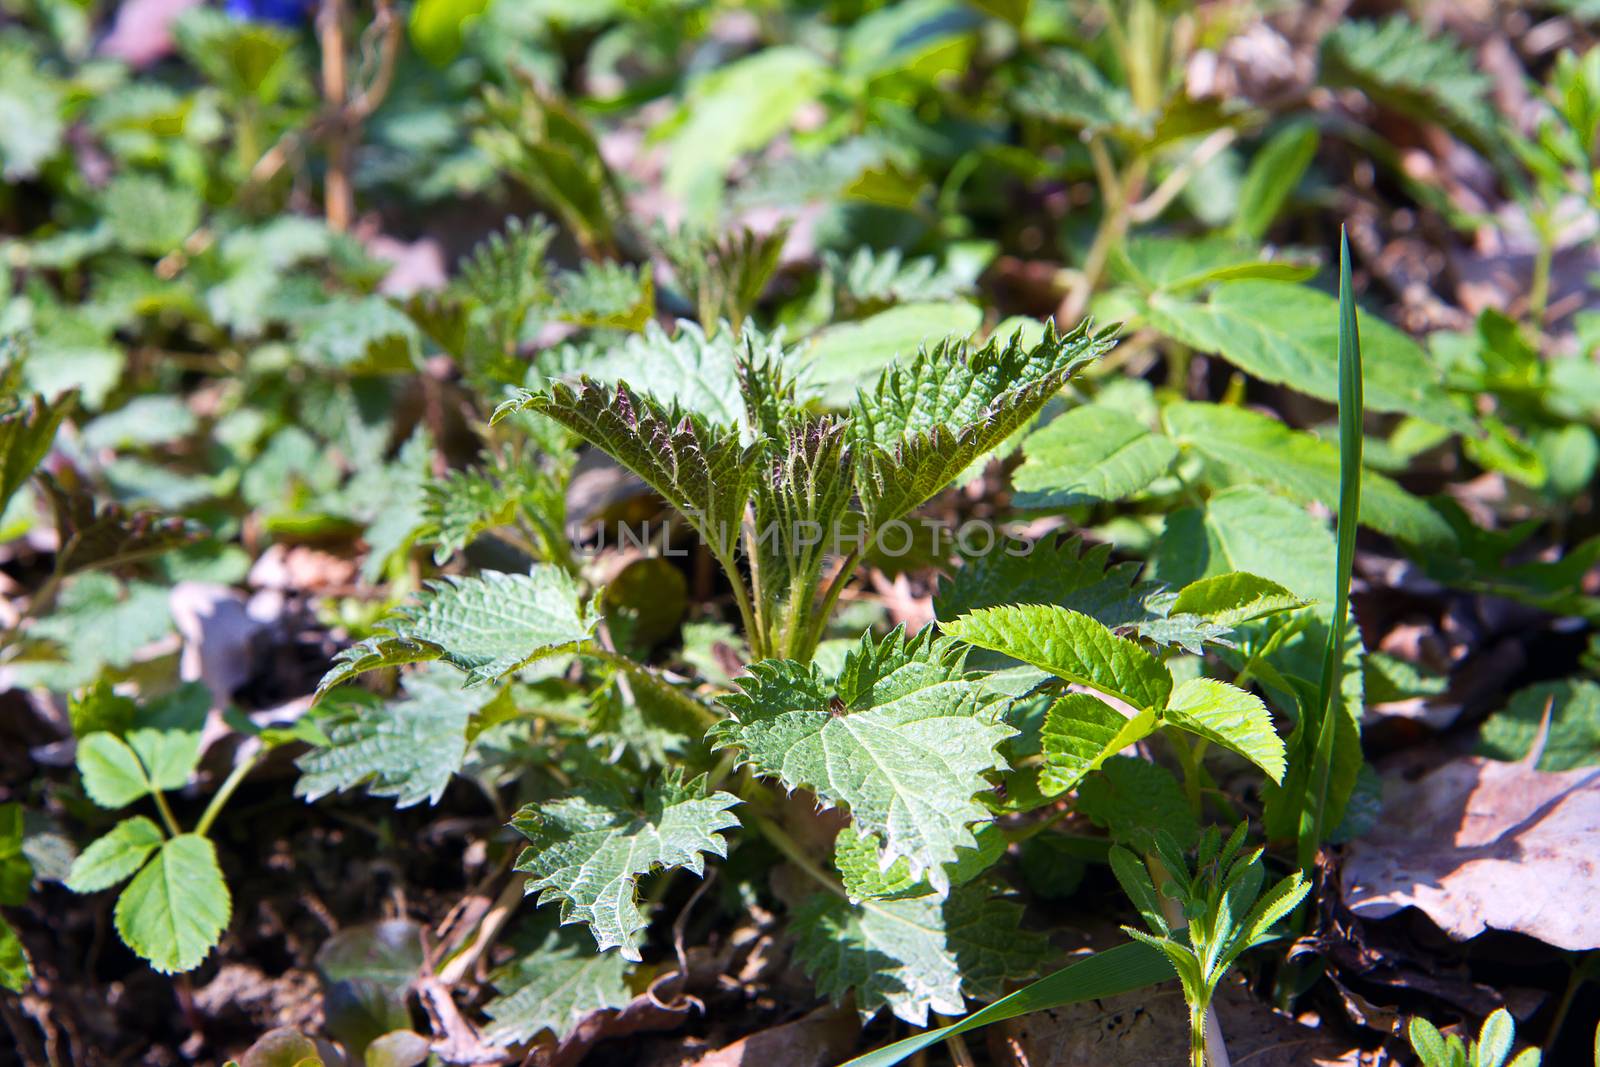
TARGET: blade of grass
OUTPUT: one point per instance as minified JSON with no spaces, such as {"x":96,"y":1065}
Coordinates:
{"x":1105,"y":974}
{"x":1350,"y":418}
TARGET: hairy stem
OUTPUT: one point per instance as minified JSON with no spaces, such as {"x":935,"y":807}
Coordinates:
{"x":830,"y":597}
{"x":796,"y":855}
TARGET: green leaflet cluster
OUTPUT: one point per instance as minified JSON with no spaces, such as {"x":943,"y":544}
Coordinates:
{"x":1081,"y":731}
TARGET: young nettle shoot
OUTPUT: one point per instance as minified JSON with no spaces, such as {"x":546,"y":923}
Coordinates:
{"x":1203,"y":916}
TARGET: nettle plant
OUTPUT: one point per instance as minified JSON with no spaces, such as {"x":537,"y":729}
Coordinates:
{"x":1047,"y":661}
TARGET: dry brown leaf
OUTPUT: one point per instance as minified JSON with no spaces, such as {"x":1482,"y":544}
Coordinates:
{"x":824,"y":1037}
{"x":1480,"y":844}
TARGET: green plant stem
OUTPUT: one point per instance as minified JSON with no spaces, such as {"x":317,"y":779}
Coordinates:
{"x":1197,"y":1035}
{"x":226,"y":791}
{"x":166,"y":813}
{"x":1190,"y":764}
{"x":1206,"y":1044}
{"x":1574,"y":981}
{"x":761,"y":645}
{"x":830,"y":596}
{"x":661,"y":685}
{"x":748,"y":614}
{"x":1539,"y":287}
{"x":796,"y":855}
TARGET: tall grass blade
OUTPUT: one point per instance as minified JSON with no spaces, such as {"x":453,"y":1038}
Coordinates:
{"x":1105,"y":974}
{"x":1350,"y":418}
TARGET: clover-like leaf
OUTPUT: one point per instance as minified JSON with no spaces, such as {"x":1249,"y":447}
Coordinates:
{"x":1300,"y":465}
{"x":902,"y":737}
{"x":1288,"y":334}
{"x":112,"y":774}
{"x":114,"y":855}
{"x":588,"y":850}
{"x":173,"y":913}
{"x":488,"y":626}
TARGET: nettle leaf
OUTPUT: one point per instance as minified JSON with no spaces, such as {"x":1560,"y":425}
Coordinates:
{"x":687,"y":369}
{"x":1234,"y":598}
{"x":148,"y":216}
{"x":99,"y":622}
{"x":1434,"y":79}
{"x":805,"y":496}
{"x":114,"y":855}
{"x":871,"y":278}
{"x":1071,"y":646}
{"x":916,"y":955}
{"x":505,"y":272}
{"x":902,"y":738}
{"x":698,"y":467}
{"x":174,"y":911}
{"x":849,"y":356}
{"x":366,"y":336}
{"x":26,"y":435}
{"x":1289,"y":335}
{"x":105,"y":535}
{"x":723,"y":274}
{"x":1179,"y":264}
{"x":1090,"y":455}
{"x":865,"y":876}
{"x":604,"y":294}
{"x":1061,"y":570}
{"x":407,"y":749}
{"x":545,"y":143}
{"x":926,"y":421}
{"x":551,"y":985}
{"x":1072,"y":92}
{"x":589,"y":850}
{"x":1228,"y":716}
{"x":489,"y":626}
{"x":1301,"y":465}
{"x":462,"y":505}
{"x":1079,"y":734}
